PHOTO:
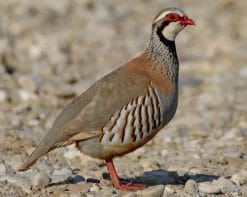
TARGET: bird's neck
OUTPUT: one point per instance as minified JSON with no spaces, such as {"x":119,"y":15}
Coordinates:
{"x":164,"y":52}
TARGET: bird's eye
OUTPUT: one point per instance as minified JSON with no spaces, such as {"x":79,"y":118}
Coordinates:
{"x":172,"y":17}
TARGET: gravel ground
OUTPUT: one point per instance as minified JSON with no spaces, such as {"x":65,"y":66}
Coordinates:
{"x":52,"y":51}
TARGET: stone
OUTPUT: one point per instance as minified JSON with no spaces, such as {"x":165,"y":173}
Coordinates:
{"x":3,"y":169}
{"x":208,"y":188}
{"x":155,"y":191}
{"x":94,"y":188}
{"x":17,"y":180}
{"x":243,"y":191}
{"x":225,"y":185}
{"x":27,"y":95}
{"x":169,"y":190}
{"x":72,"y":152}
{"x":41,"y":179}
{"x":130,"y":194}
{"x":3,"y":96}
{"x":62,"y":171}
{"x":78,"y":188}
{"x":92,"y":165}
{"x":105,"y":192}
{"x":190,"y":186}
{"x":60,"y":178}
{"x":239,"y":179}
{"x":27,"y":83}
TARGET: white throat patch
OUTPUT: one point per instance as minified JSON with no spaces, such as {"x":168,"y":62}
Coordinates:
{"x":170,"y":31}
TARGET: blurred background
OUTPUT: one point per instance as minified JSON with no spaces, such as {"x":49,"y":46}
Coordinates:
{"x":51,"y":51}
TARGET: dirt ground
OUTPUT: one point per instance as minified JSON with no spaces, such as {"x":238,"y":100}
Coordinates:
{"x":51,"y":51}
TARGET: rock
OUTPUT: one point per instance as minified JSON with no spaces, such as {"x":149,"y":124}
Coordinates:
{"x":27,"y":83}
{"x":78,"y":188}
{"x":62,"y":171}
{"x":60,"y":193}
{"x":129,"y":194}
{"x":93,"y":180}
{"x":208,"y":188}
{"x":41,"y":179}
{"x":148,"y":164}
{"x":3,"y":168}
{"x":94,"y":188}
{"x":17,"y":180}
{"x":105,"y":192}
{"x":9,"y":169}
{"x":239,"y":179}
{"x":190,"y":186}
{"x":92,"y":165}
{"x":60,"y":178}
{"x":78,"y":179}
{"x":23,"y":107}
{"x":75,"y":195}
{"x":243,"y":191}
{"x":155,"y":191}
{"x":44,"y":165}
{"x":3,"y":96}
{"x":72,"y":152}
{"x":26,"y":95}
{"x":225,"y":185}
{"x":169,"y":190}
{"x":157,"y":177}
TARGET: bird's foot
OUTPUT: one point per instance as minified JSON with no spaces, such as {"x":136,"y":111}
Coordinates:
{"x":116,"y":181}
{"x":129,"y":186}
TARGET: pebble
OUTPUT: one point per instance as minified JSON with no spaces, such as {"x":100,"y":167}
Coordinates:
{"x":130,"y":194}
{"x":41,"y":179}
{"x":62,"y":171}
{"x":17,"y":180}
{"x":169,"y":190}
{"x":225,"y":185}
{"x":105,"y":192}
{"x":75,"y":195}
{"x":26,"y":95}
{"x":208,"y":188}
{"x":3,"y":169}
{"x":239,"y":179}
{"x":3,"y":96}
{"x":23,"y":107}
{"x":27,"y":83}
{"x":92,"y":165}
{"x":72,"y":152}
{"x":155,"y":191}
{"x":190,"y":186}
{"x":94,"y":188}
{"x":77,"y":188}
{"x":59,"y":178}
{"x":243,"y":190}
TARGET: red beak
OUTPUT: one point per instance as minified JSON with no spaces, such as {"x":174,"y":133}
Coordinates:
{"x":187,"y":21}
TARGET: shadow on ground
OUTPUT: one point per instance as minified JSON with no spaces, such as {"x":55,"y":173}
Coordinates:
{"x":162,"y":177}
{"x":150,"y":178}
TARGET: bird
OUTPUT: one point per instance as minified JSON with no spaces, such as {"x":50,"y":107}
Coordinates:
{"x":126,"y":108}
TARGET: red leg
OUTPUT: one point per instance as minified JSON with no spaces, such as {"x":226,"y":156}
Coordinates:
{"x":116,"y":181}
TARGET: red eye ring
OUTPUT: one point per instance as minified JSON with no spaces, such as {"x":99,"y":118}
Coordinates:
{"x":173,"y":17}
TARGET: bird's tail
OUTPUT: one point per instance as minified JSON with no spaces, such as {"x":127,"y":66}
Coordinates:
{"x":40,"y":150}
{"x":47,"y":144}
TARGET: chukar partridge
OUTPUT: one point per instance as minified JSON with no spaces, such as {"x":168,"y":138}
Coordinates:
{"x":126,"y":108}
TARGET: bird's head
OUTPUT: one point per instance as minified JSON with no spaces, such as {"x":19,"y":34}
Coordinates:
{"x":169,"y":22}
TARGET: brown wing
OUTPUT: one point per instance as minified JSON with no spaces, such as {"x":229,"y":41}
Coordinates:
{"x":85,"y":116}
